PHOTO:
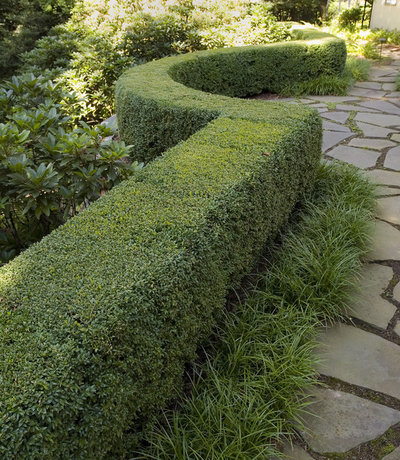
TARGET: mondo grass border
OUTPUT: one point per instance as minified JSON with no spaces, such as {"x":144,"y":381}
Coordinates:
{"x":249,"y":392}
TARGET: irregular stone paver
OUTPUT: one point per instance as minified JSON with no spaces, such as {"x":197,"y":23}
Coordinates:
{"x":354,"y":108}
{"x":344,"y":421}
{"x":387,"y":191}
{"x":383,"y":79}
{"x":361,"y":358}
{"x":389,"y":86}
{"x":319,"y":105}
{"x":394,"y":94}
{"x":335,"y":127}
{"x":296,"y":453}
{"x":396,"y":292}
{"x":374,"y":131}
{"x":364,"y":92}
{"x":368,"y":84}
{"x":395,"y":455}
{"x":377,"y":144}
{"x":380,"y":176}
{"x":293,"y":452}
{"x":383,"y":106}
{"x":385,"y":244}
{"x":389,"y":209}
{"x":362,"y":158}
{"x":392,"y":159}
{"x":397,"y":328}
{"x":378,"y":119}
{"x":337,"y":99}
{"x":367,"y":304}
{"x":395,"y":137}
{"x":331,"y":138}
{"x":340,"y":117}
{"x":382,"y":71}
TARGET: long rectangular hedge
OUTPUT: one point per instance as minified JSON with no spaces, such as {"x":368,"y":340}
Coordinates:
{"x":98,"y":320}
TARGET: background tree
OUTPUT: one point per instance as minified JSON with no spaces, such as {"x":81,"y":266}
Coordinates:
{"x":299,"y":10}
{"x":22,"y":22}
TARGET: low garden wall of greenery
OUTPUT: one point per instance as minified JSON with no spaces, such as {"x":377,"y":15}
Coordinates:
{"x":98,"y":320}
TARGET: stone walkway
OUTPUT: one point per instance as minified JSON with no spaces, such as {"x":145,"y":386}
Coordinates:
{"x":357,"y":414}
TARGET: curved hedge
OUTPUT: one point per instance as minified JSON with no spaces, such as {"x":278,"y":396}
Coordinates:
{"x":163,"y":102}
{"x":98,"y":319}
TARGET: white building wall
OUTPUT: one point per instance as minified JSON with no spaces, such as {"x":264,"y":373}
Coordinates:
{"x":385,"y":14}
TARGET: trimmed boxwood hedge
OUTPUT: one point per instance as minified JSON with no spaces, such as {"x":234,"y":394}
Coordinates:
{"x":98,"y":319}
{"x":166,"y":101}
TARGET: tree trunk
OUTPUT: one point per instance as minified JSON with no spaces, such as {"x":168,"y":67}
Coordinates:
{"x":327,"y":9}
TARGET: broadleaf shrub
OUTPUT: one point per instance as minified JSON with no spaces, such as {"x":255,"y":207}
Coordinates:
{"x":98,"y":320}
{"x":49,"y":168}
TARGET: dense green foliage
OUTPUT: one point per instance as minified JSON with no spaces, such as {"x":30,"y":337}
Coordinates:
{"x":356,"y":69}
{"x":351,"y":25}
{"x":392,"y":36}
{"x":154,"y":110}
{"x":349,"y":18}
{"x":103,"y":37}
{"x":298,"y":10}
{"x":323,"y":85}
{"x":249,"y":390}
{"x":98,"y":320}
{"x":49,"y":169}
{"x":22,"y":22}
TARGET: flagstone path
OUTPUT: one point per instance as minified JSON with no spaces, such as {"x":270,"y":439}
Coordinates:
{"x":357,"y":414}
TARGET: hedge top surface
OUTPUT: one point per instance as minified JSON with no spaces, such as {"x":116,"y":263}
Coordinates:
{"x":163,"y":102}
{"x":162,"y":79}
